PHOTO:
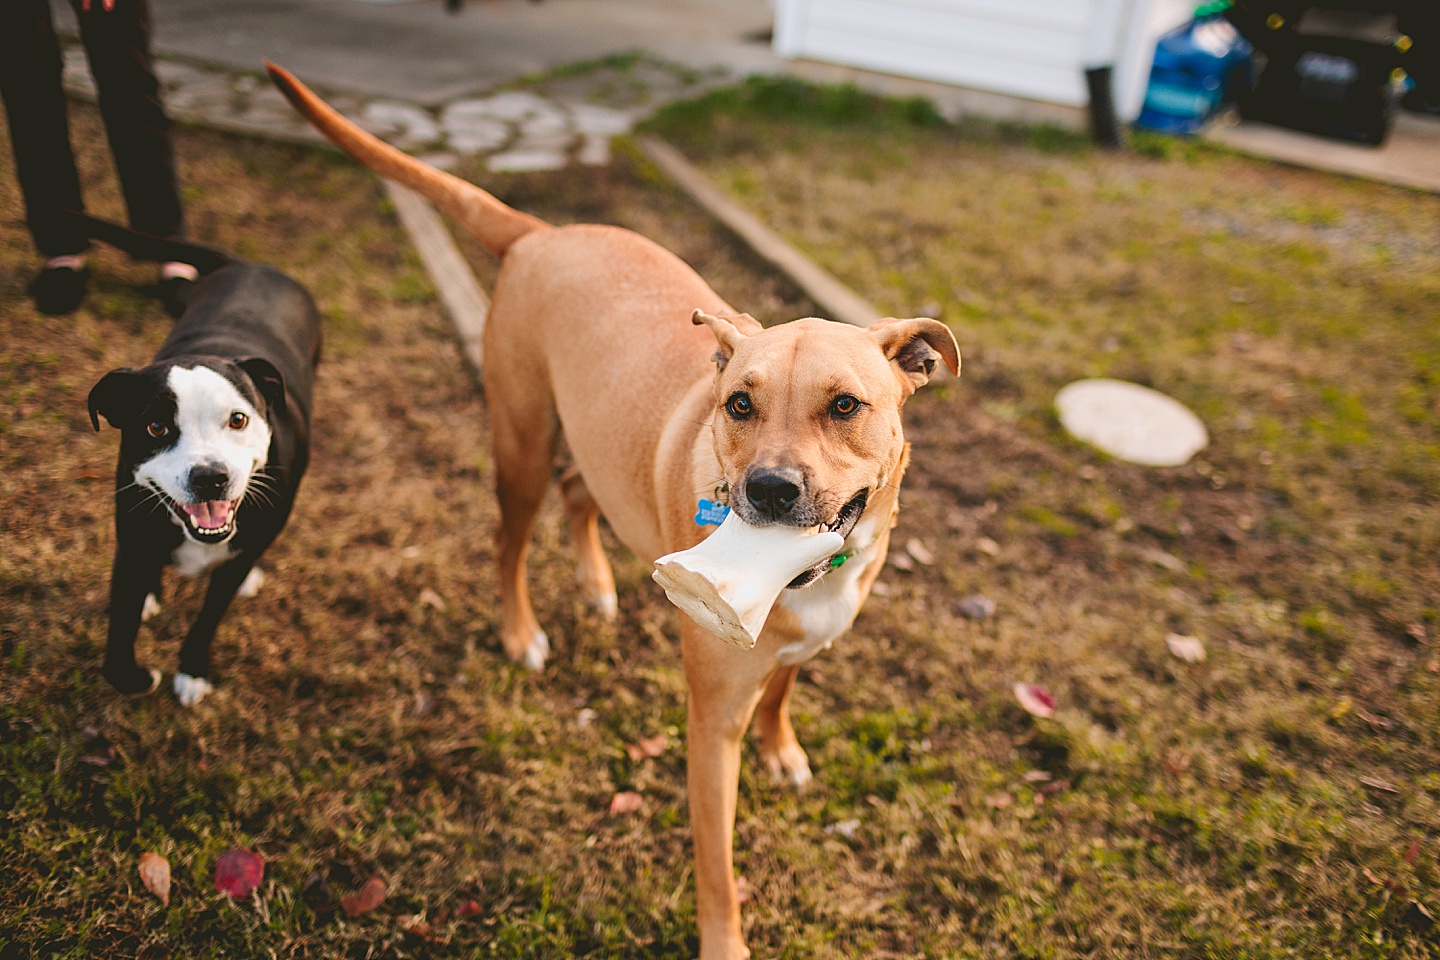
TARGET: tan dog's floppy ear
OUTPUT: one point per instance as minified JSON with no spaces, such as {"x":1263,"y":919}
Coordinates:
{"x":915,"y":345}
{"x":730,"y":331}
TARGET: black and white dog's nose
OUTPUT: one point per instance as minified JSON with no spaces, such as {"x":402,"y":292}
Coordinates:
{"x":773,"y":493}
{"x":209,"y":481}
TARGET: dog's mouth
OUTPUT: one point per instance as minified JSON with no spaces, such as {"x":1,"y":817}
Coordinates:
{"x":843,"y":524}
{"x":209,"y":521}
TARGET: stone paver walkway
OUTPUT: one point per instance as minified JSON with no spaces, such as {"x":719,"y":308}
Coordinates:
{"x":543,"y":124}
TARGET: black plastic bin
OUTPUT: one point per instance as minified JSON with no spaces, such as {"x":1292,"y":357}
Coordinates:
{"x":1328,"y":68}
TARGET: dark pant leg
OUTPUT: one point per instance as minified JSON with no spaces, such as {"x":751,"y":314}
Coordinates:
{"x":30,"y":67}
{"x":118,"y":44}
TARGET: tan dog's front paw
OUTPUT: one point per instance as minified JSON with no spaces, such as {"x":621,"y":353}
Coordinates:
{"x":788,"y":765}
{"x":531,"y":649}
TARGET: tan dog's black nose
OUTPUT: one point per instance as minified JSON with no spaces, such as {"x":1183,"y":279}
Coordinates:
{"x":773,"y":493}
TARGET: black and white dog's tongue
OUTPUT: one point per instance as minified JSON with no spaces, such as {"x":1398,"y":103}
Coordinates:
{"x":210,"y":515}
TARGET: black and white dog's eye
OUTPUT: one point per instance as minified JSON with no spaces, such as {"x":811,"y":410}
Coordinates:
{"x":156,"y":429}
{"x":739,"y":406}
{"x":844,"y":405}
{"x":238,"y":420}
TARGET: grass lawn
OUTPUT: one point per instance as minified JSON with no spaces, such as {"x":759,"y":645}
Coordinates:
{"x":1277,"y":799}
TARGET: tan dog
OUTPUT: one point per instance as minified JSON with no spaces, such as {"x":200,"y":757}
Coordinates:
{"x":591,"y":334}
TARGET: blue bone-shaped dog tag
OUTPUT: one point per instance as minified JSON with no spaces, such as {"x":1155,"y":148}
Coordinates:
{"x":710,"y":514}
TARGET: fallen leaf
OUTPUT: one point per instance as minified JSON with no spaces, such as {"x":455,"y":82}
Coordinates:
{"x":881,"y":589}
{"x":987,"y":546}
{"x":743,"y":891}
{"x":1413,"y":851}
{"x":90,"y":473}
{"x":416,"y":927}
{"x":155,"y":874}
{"x":917,"y":549}
{"x":999,"y":800}
{"x":902,"y":561}
{"x":1035,"y":699}
{"x":1036,"y":776}
{"x":977,"y":607}
{"x":1340,"y":709}
{"x":585,"y":717}
{"x":424,"y":703}
{"x":649,"y":747}
{"x":626,"y":801}
{"x":1382,"y":785}
{"x":238,"y":872}
{"x":367,"y":898}
{"x":846,"y":828}
{"x":432,"y":599}
{"x":1189,"y":649}
{"x":1416,"y":632}
{"x":1177,"y":763}
{"x":467,"y":909}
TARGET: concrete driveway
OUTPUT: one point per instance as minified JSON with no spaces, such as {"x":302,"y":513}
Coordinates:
{"x":413,"y":50}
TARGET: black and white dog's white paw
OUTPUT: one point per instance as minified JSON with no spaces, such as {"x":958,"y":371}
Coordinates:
{"x":191,"y":690}
{"x":254,"y":580}
{"x":152,"y":607}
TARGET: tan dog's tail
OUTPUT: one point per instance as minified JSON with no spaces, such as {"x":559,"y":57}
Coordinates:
{"x":494,"y":224}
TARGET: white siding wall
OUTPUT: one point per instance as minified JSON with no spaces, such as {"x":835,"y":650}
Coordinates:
{"x":1024,"y":48}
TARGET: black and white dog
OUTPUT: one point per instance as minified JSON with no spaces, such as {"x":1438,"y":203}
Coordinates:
{"x":215,"y":437}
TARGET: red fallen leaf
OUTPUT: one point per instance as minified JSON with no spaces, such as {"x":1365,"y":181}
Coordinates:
{"x":155,"y":874}
{"x":1177,"y":763}
{"x":649,"y":747}
{"x":238,"y":872}
{"x":626,"y":801}
{"x":90,"y":473}
{"x":467,"y":909}
{"x":1035,"y":699}
{"x":367,"y":898}
{"x":1414,"y":851}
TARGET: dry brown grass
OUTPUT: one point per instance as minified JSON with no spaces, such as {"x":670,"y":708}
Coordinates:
{"x":1215,"y":810}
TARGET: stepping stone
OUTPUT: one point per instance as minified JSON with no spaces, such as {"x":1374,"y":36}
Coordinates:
{"x":600,"y":121}
{"x":526,"y":161}
{"x":1131,"y":422}
{"x":405,"y":125}
{"x":513,"y":105}
{"x":594,"y":152}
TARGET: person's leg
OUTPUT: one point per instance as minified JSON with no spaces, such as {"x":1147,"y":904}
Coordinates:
{"x":30,"y":66}
{"x":117,"y":42}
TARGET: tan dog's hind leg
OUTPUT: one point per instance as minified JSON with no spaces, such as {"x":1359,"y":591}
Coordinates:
{"x":781,"y":751}
{"x":525,"y":435}
{"x":592,"y":571}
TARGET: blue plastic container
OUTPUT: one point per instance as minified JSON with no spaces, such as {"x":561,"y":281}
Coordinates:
{"x":1192,"y":69}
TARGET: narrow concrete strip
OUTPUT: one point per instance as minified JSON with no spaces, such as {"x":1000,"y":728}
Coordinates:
{"x":459,"y":291}
{"x":835,"y":300}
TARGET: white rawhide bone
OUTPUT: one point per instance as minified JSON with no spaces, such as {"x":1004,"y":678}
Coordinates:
{"x":728,"y":582}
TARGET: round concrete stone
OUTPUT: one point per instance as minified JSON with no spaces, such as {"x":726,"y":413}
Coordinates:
{"x":1131,"y":422}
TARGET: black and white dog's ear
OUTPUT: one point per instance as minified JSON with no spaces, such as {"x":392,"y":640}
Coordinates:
{"x":117,"y":397}
{"x":267,"y":380}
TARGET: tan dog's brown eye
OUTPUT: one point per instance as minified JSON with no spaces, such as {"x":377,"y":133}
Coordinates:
{"x":238,"y":420}
{"x":844,"y":405}
{"x":156,"y":429}
{"x":738,"y":406}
